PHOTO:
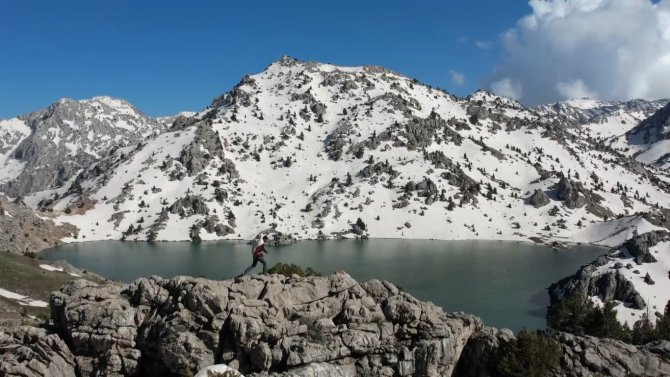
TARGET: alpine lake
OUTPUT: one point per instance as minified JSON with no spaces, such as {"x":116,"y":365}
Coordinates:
{"x":504,"y":283}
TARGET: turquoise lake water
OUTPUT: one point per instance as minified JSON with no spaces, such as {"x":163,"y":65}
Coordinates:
{"x":501,"y":282}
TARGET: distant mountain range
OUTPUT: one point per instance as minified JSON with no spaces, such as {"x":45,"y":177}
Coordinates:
{"x":312,"y":150}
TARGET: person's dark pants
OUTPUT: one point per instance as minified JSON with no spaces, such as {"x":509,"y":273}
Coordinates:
{"x":256,"y":260}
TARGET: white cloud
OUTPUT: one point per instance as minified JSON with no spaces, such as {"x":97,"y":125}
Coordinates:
{"x":574,"y":89}
{"x":610,"y":49}
{"x":484,"y":45}
{"x":457,"y":78}
{"x":507,"y":88}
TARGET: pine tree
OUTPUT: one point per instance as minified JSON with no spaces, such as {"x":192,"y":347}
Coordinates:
{"x":531,"y":354}
{"x":643,"y":331}
{"x":663,"y":324}
{"x":571,"y":314}
{"x":361,"y":224}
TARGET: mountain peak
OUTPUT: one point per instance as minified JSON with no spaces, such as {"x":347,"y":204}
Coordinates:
{"x":488,"y":96}
{"x":288,"y":60}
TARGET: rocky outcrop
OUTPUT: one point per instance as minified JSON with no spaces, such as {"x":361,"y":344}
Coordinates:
{"x":24,"y":231}
{"x":276,"y":238}
{"x":30,"y":351}
{"x":274,"y":325}
{"x":572,"y":193}
{"x":638,"y":246}
{"x":206,"y":149}
{"x":581,"y":356}
{"x":478,"y":357}
{"x":590,"y":356}
{"x":189,"y":205}
{"x":259,"y":325}
{"x":608,"y":286}
{"x":539,"y":199}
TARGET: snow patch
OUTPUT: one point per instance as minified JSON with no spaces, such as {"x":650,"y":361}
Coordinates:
{"x":22,"y":300}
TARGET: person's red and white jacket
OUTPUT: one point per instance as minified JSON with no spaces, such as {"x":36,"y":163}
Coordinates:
{"x":258,"y":251}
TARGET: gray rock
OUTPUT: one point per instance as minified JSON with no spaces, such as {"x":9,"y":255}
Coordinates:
{"x":479,"y":353}
{"x":26,"y":231}
{"x":539,"y":199}
{"x":638,"y":246}
{"x":296,"y":326}
{"x":608,"y":286}
{"x":572,"y":193}
{"x":190,"y":205}
{"x":590,"y":356}
{"x":30,"y":351}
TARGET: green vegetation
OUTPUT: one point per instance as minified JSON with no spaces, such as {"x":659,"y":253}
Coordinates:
{"x":531,"y":354}
{"x":291,"y":269}
{"x":579,"y":315}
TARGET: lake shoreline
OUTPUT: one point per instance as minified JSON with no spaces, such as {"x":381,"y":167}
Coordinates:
{"x":505,"y":277}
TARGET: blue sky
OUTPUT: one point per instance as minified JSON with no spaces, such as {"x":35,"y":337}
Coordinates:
{"x":168,"y":56}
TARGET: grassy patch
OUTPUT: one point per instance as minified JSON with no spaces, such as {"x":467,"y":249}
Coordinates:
{"x":23,"y":275}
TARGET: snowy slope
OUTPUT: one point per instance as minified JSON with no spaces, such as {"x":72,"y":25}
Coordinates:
{"x":276,"y":152}
{"x":12,"y":133}
{"x":649,"y":279}
{"x":48,"y":147}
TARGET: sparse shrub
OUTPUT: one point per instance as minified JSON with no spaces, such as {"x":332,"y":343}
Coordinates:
{"x":291,"y":269}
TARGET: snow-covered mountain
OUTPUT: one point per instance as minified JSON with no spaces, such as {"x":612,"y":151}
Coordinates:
{"x":48,"y":147}
{"x":650,"y":140}
{"x":307,"y":149}
{"x":603,"y":119}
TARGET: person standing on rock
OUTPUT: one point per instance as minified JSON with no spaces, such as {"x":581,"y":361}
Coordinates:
{"x":258,"y":253}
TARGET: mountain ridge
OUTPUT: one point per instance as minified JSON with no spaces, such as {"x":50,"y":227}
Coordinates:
{"x":357,"y":110}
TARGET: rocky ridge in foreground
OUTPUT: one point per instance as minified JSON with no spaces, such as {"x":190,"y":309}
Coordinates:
{"x":276,"y":325}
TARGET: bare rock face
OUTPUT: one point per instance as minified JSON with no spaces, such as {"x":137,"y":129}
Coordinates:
{"x":30,"y":351}
{"x":639,"y":245}
{"x":590,"y":356}
{"x":477,"y":357}
{"x":23,"y":231}
{"x":539,"y":199}
{"x":572,"y":193}
{"x":273,"y":325}
{"x":263,"y":324}
{"x":609,"y":286}
{"x":99,"y":326}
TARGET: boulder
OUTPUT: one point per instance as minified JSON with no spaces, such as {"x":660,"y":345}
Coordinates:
{"x":590,"y":356}
{"x":30,"y":351}
{"x":572,"y":193}
{"x":539,"y":199}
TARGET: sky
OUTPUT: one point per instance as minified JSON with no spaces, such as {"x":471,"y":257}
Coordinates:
{"x":170,"y":56}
